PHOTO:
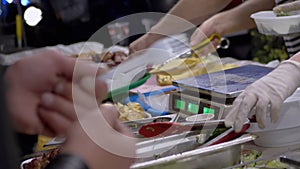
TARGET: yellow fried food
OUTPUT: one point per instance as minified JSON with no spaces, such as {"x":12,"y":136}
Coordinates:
{"x":166,"y":79}
{"x":130,"y":112}
{"x":188,"y":67}
{"x":176,"y":66}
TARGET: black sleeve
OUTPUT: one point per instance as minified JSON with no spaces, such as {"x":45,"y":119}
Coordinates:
{"x":67,"y":161}
{"x":25,"y":142}
{"x":9,"y":152}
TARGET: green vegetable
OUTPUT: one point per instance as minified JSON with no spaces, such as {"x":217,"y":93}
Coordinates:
{"x":215,"y":133}
{"x":281,"y":13}
{"x":250,"y":155}
{"x":276,"y":164}
{"x":267,"y":48}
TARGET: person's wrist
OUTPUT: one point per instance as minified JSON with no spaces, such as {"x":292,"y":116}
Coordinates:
{"x":152,"y":37}
{"x":285,"y":78}
{"x":292,"y":64}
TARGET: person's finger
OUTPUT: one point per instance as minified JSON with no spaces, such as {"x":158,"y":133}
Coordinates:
{"x":66,"y":66}
{"x":55,"y":122}
{"x":94,"y":87}
{"x":231,"y":116}
{"x":215,"y":42}
{"x":59,"y":104}
{"x":275,"y":110}
{"x":110,"y":114}
{"x":246,"y":105}
{"x":76,"y":69}
{"x":197,"y":37}
{"x":64,"y":88}
{"x":261,"y":112}
{"x":82,"y":99}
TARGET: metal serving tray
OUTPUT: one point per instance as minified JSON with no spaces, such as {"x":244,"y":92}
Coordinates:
{"x":185,"y":155}
{"x":185,"y":151}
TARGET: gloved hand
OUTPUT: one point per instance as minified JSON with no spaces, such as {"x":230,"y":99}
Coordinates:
{"x":288,"y":7}
{"x":265,"y":96}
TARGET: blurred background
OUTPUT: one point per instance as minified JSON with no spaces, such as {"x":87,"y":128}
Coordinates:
{"x":67,"y":21}
{"x":50,"y":22}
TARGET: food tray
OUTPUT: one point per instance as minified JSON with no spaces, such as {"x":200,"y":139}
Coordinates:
{"x":182,"y":151}
{"x":184,"y":156}
{"x":270,"y":24}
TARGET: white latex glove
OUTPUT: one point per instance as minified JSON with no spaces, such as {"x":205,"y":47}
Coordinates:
{"x":288,"y":7}
{"x":265,"y":96}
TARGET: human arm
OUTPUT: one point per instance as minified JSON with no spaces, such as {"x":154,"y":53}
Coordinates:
{"x":230,"y":21}
{"x":266,"y":95}
{"x":189,"y":12}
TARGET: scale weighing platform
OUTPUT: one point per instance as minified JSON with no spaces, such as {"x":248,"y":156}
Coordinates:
{"x":213,"y":93}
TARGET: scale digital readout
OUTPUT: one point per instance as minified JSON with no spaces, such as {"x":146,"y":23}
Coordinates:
{"x":213,"y":93}
{"x":193,"y":106}
{"x":190,"y":104}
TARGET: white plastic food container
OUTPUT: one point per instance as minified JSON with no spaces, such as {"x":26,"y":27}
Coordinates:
{"x":269,"y":24}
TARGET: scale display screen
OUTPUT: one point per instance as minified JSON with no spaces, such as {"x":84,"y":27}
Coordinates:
{"x":193,"y":106}
{"x":180,"y":104}
{"x":207,"y":110}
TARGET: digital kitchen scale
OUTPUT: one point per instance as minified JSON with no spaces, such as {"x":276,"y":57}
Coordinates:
{"x":213,"y":93}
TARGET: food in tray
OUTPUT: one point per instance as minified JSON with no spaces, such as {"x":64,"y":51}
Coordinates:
{"x":176,"y":66}
{"x":281,"y":13}
{"x":131,"y":112}
{"x":42,"y":161}
{"x":251,"y":155}
{"x":110,"y":58}
{"x":192,"y":67}
{"x":113,"y":58}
